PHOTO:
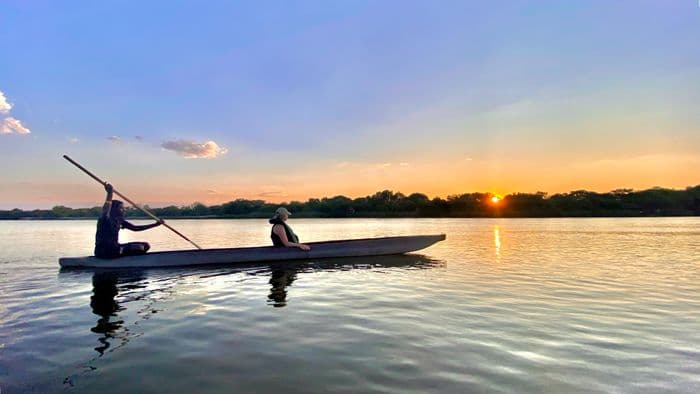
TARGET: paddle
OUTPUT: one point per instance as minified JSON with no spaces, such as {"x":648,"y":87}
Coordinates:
{"x":144,"y":210}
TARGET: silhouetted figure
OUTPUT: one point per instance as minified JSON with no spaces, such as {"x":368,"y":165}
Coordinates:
{"x":281,"y":234}
{"x":108,"y":225}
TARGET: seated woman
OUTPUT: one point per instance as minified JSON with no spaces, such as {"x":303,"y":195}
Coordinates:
{"x":282,"y":235}
{"x":107,"y":244}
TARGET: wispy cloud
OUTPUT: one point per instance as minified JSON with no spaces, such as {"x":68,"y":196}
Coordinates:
{"x":368,"y":166}
{"x":212,"y":191}
{"x":73,"y":140}
{"x":9,"y":124}
{"x":195,"y":150}
{"x":276,"y":193}
{"x":115,"y":139}
{"x":138,"y":138}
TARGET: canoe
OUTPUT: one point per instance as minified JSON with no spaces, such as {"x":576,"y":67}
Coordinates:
{"x":327,"y":249}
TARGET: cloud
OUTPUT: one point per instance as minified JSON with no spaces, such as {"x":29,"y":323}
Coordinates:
{"x":403,"y":164}
{"x":212,"y":191}
{"x":73,"y":140}
{"x":5,"y":106}
{"x":138,"y":138}
{"x":8,"y":124}
{"x":11,"y":125}
{"x":273,"y":194}
{"x":115,"y":140}
{"x":195,"y":150}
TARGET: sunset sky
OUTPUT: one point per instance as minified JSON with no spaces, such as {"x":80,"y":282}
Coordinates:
{"x":182,"y":101}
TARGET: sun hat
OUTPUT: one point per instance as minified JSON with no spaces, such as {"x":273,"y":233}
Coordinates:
{"x":282,"y":211}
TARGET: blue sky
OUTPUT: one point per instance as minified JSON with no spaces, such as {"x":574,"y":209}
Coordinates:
{"x":307,"y":99}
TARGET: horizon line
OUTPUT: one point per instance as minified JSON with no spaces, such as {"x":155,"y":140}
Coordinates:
{"x":490,"y":194}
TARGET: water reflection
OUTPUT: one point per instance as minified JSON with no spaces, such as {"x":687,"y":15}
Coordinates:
{"x":573,"y":309}
{"x":280,"y":279}
{"x":497,"y":240}
{"x":103,"y":304}
{"x":282,"y":276}
{"x":106,"y":286}
{"x":114,"y":292}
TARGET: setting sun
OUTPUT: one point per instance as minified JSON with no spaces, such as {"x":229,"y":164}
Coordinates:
{"x":495,"y":199}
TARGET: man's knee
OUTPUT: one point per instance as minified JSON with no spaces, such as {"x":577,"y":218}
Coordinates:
{"x":135,"y":248}
{"x":141,"y":247}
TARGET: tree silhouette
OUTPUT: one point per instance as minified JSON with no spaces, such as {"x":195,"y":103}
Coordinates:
{"x":386,"y":203}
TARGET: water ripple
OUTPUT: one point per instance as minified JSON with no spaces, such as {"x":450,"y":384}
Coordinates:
{"x":565,"y":305}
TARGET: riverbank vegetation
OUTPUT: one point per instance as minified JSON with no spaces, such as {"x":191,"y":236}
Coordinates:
{"x":581,"y":203}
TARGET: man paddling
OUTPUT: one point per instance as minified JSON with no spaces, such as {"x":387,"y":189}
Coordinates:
{"x":112,"y":220}
{"x":282,"y":235}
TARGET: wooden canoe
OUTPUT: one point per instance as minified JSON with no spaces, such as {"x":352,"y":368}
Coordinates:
{"x":327,"y":249}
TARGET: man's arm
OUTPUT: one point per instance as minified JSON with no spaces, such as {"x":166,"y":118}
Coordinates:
{"x":135,"y":227}
{"x":107,"y":208}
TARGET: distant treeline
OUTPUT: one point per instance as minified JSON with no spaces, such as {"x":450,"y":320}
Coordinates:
{"x":581,"y":203}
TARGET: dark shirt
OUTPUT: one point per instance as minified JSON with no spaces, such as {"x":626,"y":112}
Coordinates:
{"x":107,"y":237}
{"x":291,"y":237}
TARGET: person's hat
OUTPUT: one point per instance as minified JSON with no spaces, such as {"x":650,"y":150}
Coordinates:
{"x":282,"y":211}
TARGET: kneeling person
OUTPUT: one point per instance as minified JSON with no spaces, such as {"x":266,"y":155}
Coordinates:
{"x":107,"y":244}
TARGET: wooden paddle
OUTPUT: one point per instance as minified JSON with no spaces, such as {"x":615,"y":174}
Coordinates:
{"x":144,"y":210}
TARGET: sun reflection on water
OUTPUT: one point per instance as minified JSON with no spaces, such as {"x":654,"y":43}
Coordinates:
{"x":497,"y":240}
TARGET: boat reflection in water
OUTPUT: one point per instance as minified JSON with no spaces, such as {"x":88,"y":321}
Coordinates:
{"x":282,"y":277}
{"x":123,"y":298}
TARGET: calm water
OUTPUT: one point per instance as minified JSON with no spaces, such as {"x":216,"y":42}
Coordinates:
{"x":554,"y":305}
